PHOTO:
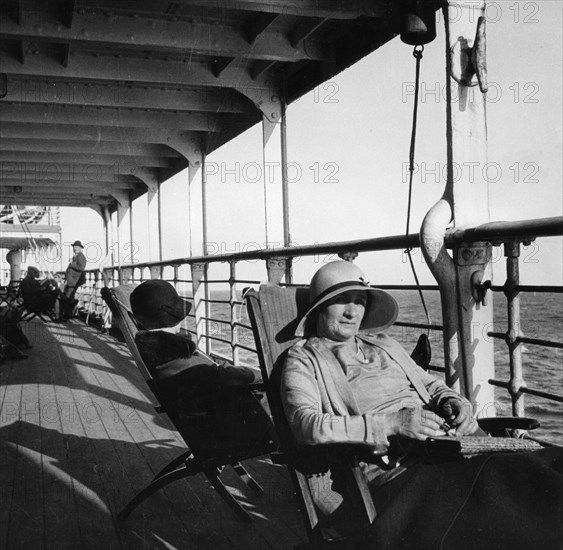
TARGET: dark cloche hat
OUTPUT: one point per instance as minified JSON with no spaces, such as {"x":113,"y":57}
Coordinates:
{"x":33,"y":271}
{"x":77,"y":243}
{"x":156,"y":304}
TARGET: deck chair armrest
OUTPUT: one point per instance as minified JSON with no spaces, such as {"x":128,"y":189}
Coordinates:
{"x":498,"y":425}
{"x":318,"y":458}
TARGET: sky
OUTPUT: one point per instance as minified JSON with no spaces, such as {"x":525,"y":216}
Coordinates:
{"x":348,"y":146}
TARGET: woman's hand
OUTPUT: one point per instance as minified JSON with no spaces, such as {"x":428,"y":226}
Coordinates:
{"x":458,"y":414}
{"x":415,"y":423}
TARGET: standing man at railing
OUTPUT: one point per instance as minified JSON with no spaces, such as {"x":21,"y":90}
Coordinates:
{"x":74,"y":277}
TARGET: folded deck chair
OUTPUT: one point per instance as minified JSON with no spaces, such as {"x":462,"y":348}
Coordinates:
{"x":205,"y":454}
{"x":274,"y":313}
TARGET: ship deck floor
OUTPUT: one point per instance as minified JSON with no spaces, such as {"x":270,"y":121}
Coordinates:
{"x":79,"y":437}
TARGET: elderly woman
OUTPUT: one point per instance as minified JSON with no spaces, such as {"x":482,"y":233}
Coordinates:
{"x":348,"y":382}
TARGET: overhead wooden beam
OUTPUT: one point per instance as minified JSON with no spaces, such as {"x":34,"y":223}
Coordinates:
{"x":119,"y":149}
{"x":53,"y":181}
{"x":158,"y":35}
{"x":100,"y":117}
{"x":104,"y":94}
{"x":263,"y":91}
{"x":333,"y":9}
{"x":62,"y":200}
{"x":84,"y":158}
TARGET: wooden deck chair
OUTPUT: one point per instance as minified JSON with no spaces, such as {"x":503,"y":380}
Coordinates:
{"x":11,"y":293}
{"x":201,"y":457}
{"x":41,"y":309}
{"x":274,"y":313}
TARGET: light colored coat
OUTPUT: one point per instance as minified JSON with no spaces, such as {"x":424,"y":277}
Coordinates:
{"x":318,"y":400}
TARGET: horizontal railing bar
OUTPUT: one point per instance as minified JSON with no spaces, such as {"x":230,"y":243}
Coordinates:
{"x":217,"y":339}
{"x":214,"y":320}
{"x":407,"y":287}
{"x":506,"y":231}
{"x":530,"y":288}
{"x":241,"y":346}
{"x":417,"y":325}
{"x":531,"y":391}
{"x":525,"y":340}
{"x":493,"y":231}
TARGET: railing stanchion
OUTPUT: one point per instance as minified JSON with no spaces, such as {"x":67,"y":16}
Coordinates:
{"x":233,"y":312}
{"x":201,"y":306}
{"x":512,"y":253}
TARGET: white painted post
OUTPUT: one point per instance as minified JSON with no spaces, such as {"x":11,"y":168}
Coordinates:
{"x":152,"y":221}
{"x":272,"y":161}
{"x":467,"y":165}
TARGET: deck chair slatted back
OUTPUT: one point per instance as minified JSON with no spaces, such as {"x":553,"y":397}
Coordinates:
{"x":274,"y":313}
{"x":205,"y":453}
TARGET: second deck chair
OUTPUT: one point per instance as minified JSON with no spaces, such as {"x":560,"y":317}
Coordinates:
{"x":274,"y":313}
{"x":201,"y":457}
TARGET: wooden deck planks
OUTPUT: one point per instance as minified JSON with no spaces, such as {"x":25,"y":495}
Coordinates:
{"x":91,"y":440}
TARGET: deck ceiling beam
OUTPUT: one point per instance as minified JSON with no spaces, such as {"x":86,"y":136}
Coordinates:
{"x":79,"y":174}
{"x":56,"y":200}
{"x":53,"y":181}
{"x":95,"y":116}
{"x":333,"y":9}
{"x":263,"y":91}
{"x":157,"y":35}
{"x":103,"y":94}
{"x":120,"y":149}
{"x":83,"y":158}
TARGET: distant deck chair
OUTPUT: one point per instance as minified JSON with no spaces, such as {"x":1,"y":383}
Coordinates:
{"x":11,"y":293}
{"x":274,"y":313}
{"x":37,"y":306}
{"x":200,"y":457}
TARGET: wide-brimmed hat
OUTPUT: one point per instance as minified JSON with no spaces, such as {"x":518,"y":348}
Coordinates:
{"x":156,"y":304}
{"x":77,"y":243}
{"x":337,"y":277}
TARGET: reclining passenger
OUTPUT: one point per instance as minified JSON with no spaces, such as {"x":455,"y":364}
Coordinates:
{"x":339,"y":385}
{"x":191,"y":381}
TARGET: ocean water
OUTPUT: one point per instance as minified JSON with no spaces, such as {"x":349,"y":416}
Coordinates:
{"x":541,"y":317}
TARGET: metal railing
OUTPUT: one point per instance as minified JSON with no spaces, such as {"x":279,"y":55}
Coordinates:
{"x":234,"y":334}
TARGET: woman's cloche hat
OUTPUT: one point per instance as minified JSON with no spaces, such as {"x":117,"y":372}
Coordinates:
{"x":78,"y":243}
{"x":156,"y":304}
{"x":340,"y":276}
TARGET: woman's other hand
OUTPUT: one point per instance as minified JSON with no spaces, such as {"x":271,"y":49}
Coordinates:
{"x":415,"y":423}
{"x":458,"y":413}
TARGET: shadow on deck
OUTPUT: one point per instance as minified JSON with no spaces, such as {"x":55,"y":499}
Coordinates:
{"x":79,"y":437}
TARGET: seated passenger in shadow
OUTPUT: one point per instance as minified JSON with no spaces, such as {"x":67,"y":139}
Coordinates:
{"x":39,"y":295}
{"x":348,"y":382}
{"x":212,"y":398}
